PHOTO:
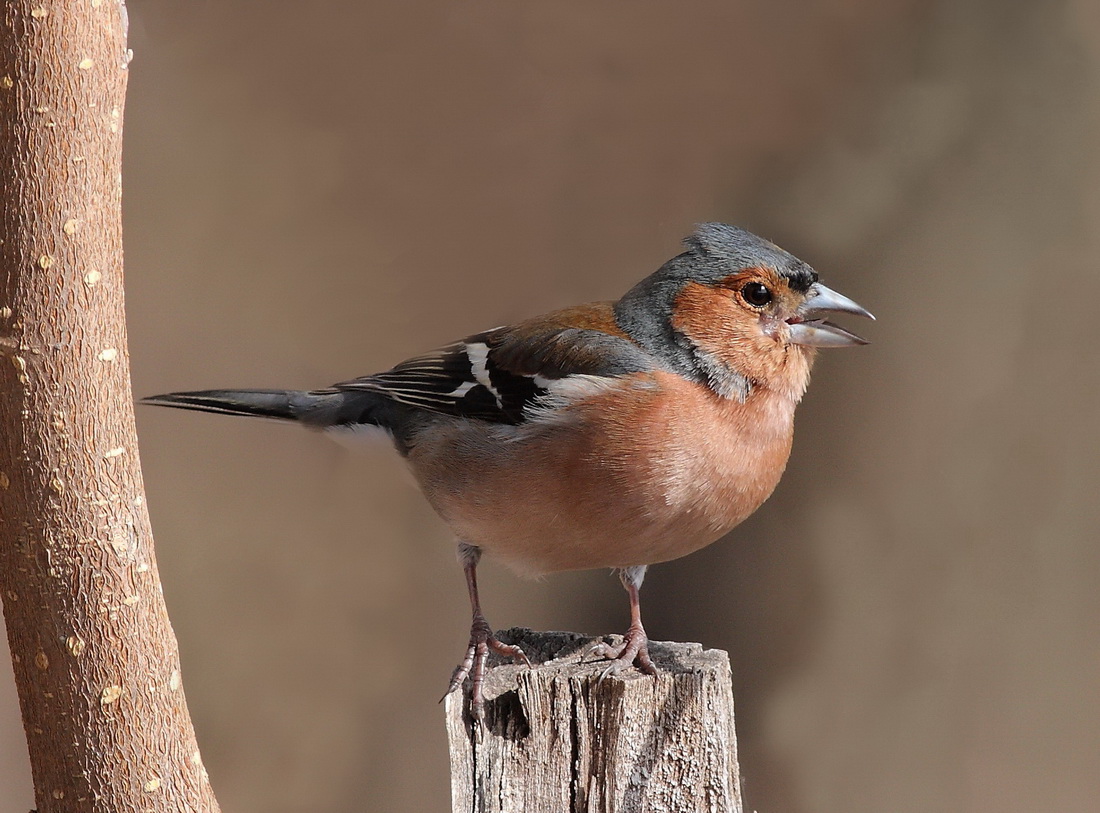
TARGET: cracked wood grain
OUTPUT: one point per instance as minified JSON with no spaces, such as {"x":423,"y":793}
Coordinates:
{"x":559,"y":740}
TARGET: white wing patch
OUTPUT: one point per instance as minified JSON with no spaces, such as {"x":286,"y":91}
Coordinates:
{"x":562,"y":392}
{"x":461,"y":389}
{"x":478,"y":354}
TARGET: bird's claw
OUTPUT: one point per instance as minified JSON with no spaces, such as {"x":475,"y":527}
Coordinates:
{"x":482,"y":641}
{"x":633,"y":651}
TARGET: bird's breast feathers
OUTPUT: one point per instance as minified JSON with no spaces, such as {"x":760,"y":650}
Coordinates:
{"x":650,"y":465}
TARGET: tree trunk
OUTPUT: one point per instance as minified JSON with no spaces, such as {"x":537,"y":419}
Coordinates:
{"x":560,"y":740}
{"x":96,"y":661}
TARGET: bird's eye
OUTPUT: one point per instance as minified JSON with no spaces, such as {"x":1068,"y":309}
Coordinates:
{"x":756,"y":294}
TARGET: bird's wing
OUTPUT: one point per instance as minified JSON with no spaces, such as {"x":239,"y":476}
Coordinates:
{"x":509,"y":374}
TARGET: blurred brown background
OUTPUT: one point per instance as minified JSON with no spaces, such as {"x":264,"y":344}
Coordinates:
{"x":316,"y":190}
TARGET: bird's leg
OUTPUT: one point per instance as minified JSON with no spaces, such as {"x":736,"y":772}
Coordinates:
{"x":481,"y":639}
{"x":634,"y":650}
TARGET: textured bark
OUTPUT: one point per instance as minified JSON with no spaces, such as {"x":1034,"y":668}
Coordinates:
{"x":558,"y":739}
{"x":96,"y":661}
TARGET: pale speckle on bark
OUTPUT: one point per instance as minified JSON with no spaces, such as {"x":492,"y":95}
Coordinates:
{"x":87,"y":636}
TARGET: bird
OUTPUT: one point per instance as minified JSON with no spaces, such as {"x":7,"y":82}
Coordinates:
{"x":616,"y":434}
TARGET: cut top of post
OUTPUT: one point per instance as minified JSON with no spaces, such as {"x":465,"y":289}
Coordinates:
{"x":558,"y":738}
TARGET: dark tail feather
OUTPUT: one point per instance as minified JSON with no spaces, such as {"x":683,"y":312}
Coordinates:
{"x":321,"y":408}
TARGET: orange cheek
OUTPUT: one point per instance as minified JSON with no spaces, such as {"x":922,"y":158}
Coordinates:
{"x":714,"y":321}
{"x":747,"y":342}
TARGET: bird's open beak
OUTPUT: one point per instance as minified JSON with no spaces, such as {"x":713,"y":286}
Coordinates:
{"x":808,"y":329}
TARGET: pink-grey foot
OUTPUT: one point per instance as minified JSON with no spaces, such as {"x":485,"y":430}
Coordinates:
{"x":634,"y":650}
{"x":482,"y":640}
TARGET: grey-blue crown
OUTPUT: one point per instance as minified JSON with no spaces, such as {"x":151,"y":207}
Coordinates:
{"x":723,"y":249}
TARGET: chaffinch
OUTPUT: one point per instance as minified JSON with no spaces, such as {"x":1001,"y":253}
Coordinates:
{"x":614,"y":434}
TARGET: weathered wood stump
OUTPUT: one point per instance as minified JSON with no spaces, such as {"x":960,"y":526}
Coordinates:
{"x":557,"y":739}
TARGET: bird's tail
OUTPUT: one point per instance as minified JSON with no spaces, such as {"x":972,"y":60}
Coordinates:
{"x":319,"y":408}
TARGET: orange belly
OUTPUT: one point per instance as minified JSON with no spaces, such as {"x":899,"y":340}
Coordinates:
{"x":647,"y":471}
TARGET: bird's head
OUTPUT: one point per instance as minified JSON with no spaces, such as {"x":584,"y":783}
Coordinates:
{"x":738,"y":312}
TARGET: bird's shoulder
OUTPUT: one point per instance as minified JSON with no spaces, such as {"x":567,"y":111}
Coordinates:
{"x":509,"y":374}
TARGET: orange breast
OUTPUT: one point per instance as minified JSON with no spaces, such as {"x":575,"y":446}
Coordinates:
{"x":646,"y":471}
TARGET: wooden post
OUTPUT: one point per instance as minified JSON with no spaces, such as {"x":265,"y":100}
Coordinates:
{"x":558,"y":739}
{"x":96,"y":663}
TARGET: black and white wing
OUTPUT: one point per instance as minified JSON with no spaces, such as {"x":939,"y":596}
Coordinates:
{"x":505,"y":375}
